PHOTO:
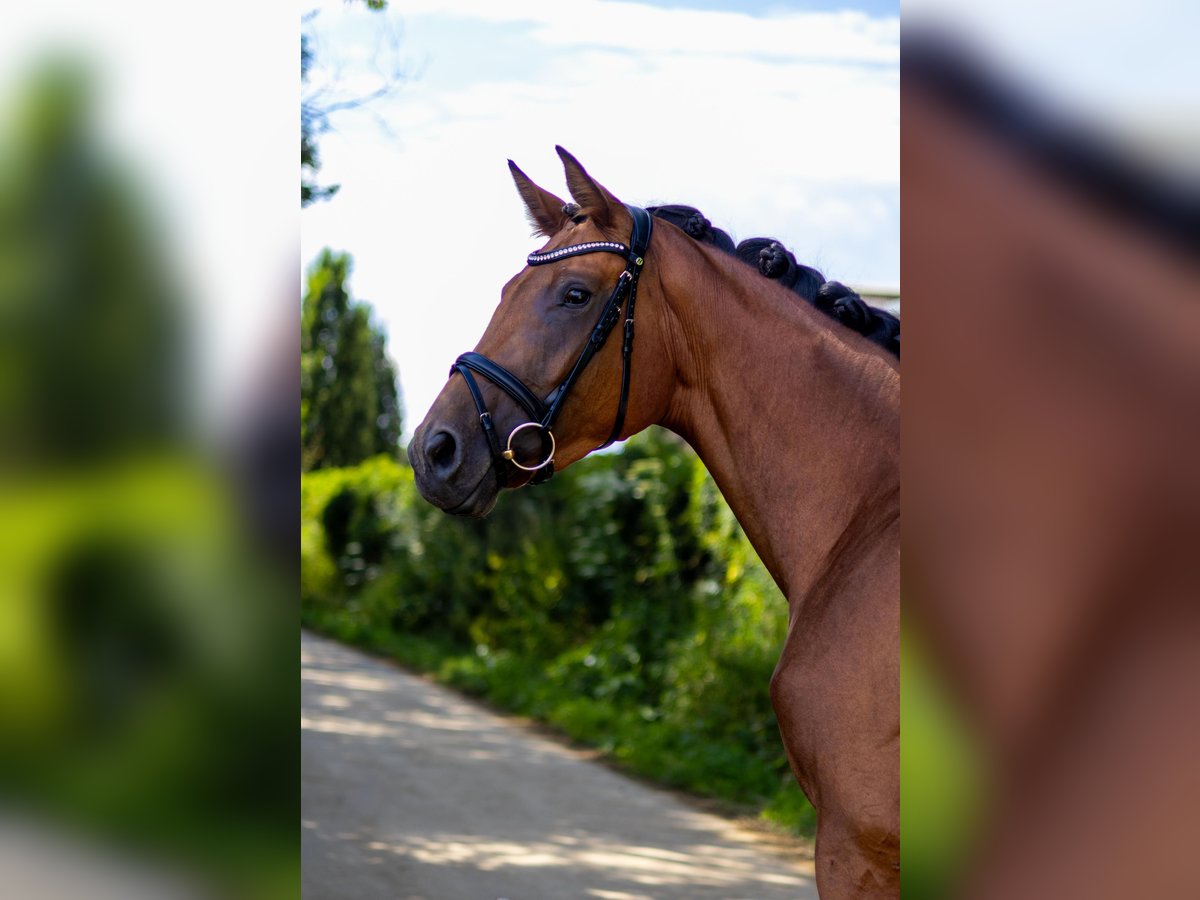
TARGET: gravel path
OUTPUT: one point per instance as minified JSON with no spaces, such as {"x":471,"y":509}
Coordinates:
{"x":411,"y":792}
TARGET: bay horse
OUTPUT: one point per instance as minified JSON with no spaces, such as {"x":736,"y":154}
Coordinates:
{"x":797,"y":418}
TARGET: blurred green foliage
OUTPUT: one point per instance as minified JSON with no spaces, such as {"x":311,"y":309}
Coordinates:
{"x":142,"y":651}
{"x":87,"y":306}
{"x":349,"y":405}
{"x":620,"y":602}
{"x":147,"y":657}
{"x":944,"y":799}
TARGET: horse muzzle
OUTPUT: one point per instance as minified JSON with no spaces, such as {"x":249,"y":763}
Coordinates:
{"x":454,"y":475}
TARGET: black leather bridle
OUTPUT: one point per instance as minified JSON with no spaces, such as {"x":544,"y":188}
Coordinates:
{"x":543,"y":413}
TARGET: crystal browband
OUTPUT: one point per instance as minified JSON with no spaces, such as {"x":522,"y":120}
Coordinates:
{"x":538,"y":259}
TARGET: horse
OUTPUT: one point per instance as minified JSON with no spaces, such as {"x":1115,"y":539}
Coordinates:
{"x":796,"y":416}
{"x":1051,"y":490}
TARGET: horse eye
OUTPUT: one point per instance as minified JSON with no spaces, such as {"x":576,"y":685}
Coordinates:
{"x":576,"y":297}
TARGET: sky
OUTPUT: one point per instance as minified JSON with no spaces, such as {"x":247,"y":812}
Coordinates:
{"x":774,"y":120}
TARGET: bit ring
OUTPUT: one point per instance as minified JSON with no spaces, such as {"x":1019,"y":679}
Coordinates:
{"x":511,"y":456}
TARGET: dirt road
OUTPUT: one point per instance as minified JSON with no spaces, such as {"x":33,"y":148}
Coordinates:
{"x":410,"y":792}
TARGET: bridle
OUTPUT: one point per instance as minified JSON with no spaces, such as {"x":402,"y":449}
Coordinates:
{"x":543,"y":413}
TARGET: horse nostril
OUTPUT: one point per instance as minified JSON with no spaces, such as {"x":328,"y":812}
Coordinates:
{"x":440,"y":449}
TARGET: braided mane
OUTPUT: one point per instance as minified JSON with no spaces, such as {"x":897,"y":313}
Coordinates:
{"x":772,"y":260}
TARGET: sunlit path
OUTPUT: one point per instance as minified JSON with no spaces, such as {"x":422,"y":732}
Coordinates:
{"x":410,"y":791}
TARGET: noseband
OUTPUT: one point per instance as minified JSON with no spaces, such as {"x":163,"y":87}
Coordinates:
{"x":543,"y":413}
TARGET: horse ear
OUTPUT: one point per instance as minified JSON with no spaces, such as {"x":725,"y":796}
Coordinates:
{"x":542,"y":208}
{"x":593,"y":197}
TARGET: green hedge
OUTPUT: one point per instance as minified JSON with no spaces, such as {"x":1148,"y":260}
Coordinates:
{"x":619,"y":602}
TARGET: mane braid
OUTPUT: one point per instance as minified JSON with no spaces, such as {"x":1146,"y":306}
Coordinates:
{"x":772,"y":260}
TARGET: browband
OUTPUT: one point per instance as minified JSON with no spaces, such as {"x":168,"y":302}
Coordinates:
{"x":540,"y":259}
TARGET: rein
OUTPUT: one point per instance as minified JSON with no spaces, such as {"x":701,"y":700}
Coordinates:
{"x":543,"y":413}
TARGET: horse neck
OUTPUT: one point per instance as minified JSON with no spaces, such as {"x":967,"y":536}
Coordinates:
{"x":799,"y":426}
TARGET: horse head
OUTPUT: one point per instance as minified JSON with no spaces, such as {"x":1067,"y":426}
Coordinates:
{"x":546,"y":385}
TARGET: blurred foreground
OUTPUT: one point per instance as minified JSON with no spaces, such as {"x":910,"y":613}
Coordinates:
{"x":1051,"y":495}
{"x":147,"y":589}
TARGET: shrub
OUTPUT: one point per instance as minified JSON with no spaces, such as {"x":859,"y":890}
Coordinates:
{"x":620,"y":602}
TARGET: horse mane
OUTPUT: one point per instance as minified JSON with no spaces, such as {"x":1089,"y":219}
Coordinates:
{"x":772,"y":260}
{"x":1085,"y":160}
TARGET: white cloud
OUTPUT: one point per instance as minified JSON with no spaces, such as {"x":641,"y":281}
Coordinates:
{"x":845,"y":35}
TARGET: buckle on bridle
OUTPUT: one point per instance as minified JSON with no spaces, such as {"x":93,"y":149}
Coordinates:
{"x":510,"y":455}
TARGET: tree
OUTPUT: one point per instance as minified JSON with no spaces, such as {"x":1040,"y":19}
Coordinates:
{"x":316,"y":108}
{"x":92,"y":334}
{"x":349,"y":405}
{"x":312,"y":121}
